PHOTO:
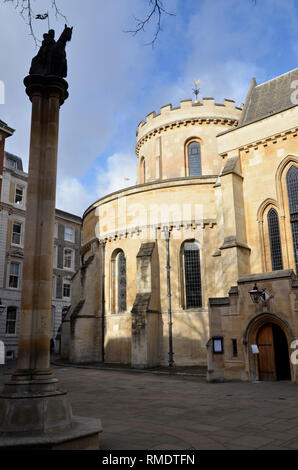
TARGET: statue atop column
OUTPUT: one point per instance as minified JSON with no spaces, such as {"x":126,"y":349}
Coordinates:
{"x":51,"y":57}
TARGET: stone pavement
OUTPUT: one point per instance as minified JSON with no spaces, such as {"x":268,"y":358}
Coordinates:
{"x":156,"y":411}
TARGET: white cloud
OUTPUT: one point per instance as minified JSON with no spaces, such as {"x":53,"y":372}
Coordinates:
{"x":120,"y":173}
{"x":225,"y":80}
{"x":72,"y":196}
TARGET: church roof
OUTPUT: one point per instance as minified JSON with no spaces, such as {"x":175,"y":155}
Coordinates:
{"x":270,"y":97}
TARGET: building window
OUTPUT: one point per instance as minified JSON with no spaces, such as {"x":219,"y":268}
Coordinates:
{"x":54,"y":287}
{"x":19,"y":195}
{"x":53,"y":321}
{"x":192,"y":275}
{"x":16,"y":237}
{"x":69,"y":234}
{"x":143,"y":170}
{"x":118,"y":273}
{"x":234,"y":348}
{"x":121,"y":261}
{"x":11,"y":321}
{"x":12,"y":163}
{"x":9,"y":355}
{"x":66,"y":289}
{"x":55,"y":254}
{"x":14,"y":275}
{"x":56,"y":231}
{"x":274,"y":238}
{"x":194,"y":159}
{"x":292,"y":185}
{"x":68,"y":258}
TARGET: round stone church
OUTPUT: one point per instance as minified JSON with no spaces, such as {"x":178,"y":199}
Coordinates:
{"x":170,"y":265}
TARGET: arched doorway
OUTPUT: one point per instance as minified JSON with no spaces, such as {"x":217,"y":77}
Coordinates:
{"x":273,"y":358}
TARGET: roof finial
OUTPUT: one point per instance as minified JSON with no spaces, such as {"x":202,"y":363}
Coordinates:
{"x":196,"y":91}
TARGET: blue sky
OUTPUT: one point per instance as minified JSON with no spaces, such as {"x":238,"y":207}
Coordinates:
{"x":115,"y":80}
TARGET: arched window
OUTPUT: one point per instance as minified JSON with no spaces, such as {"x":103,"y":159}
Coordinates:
{"x":142,"y":170}
{"x":274,"y":239}
{"x":192,"y":275}
{"x":121,"y":261}
{"x":292,"y":185}
{"x":118,"y":272}
{"x":194,"y":158}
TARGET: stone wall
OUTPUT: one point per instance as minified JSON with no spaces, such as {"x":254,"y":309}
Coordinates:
{"x":162,"y":139}
{"x":237,"y":317}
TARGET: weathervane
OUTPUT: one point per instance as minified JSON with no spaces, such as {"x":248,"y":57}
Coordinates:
{"x":196,"y":90}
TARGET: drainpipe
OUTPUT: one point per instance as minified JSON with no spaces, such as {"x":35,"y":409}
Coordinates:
{"x":170,"y":322}
{"x":103,"y":301}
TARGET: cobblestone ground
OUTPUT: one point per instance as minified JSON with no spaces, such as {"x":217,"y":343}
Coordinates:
{"x":157,"y":411}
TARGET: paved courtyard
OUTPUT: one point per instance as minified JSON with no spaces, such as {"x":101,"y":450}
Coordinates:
{"x":156,"y":411}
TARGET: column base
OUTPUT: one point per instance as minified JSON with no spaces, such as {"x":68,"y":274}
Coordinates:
{"x":32,"y":374}
{"x":84,"y":434}
{"x":34,"y":414}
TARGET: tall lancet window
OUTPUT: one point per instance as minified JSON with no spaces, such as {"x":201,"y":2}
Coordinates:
{"x":292,"y":185}
{"x":121,"y":261}
{"x":194,"y":159}
{"x":142,"y":170}
{"x":192,"y":275}
{"x":274,"y":238}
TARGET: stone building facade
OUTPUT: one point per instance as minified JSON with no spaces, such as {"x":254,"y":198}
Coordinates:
{"x":12,"y":227}
{"x":168,"y":264}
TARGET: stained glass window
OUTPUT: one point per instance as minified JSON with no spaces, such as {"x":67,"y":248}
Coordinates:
{"x":121,"y":261}
{"x":274,"y":238}
{"x":194,"y":159}
{"x":292,"y":185}
{"x":192,"y":273}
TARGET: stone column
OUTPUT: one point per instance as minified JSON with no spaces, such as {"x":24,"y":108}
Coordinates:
{"x":46,"y":94}
{"x":33,"y":411}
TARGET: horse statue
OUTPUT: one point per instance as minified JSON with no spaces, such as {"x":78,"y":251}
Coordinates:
{"x":51,"y":57}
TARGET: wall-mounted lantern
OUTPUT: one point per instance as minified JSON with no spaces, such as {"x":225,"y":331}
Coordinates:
{"x":255,"y":294}
{"x":259,"y":295}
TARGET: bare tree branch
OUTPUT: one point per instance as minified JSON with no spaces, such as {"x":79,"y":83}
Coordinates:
{"x":24,"y":7}
{"x":57,"y":11}
{"x":157,"y":10}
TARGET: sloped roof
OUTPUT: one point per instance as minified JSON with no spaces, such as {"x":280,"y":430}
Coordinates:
{"x":270,"y":97}
{"x":14,"y":158}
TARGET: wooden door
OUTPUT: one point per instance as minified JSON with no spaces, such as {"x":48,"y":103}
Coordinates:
{"x":266,"y":358}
